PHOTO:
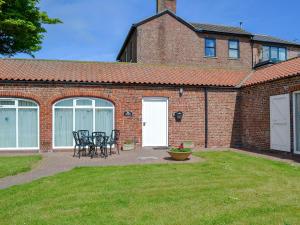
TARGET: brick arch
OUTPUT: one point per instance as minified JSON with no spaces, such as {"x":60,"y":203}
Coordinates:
{"x":57,"y":98}
{"x":22,"y":95}
{"x":294,"y":88}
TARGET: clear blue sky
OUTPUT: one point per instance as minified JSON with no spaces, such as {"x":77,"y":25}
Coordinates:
{"x":96,"y":29}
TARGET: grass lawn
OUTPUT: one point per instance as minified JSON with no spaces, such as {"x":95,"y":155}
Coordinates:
{"x":17,"y":164}
{"x":228,"y":188}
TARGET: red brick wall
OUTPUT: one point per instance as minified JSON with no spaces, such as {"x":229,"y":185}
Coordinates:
{"x":223,"y":118}
{"x":255,"y":111}
{"x":221,"y":110}
{"x":165,"y":40}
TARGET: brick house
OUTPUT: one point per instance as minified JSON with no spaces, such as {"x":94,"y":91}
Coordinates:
{"x":234,"y":88}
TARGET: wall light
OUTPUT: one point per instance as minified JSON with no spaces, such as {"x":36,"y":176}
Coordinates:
{"x":181,"y":92}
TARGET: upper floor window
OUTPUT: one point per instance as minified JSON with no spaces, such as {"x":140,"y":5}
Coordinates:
{"x":210,"y":47}
{"x":274,"y":54}
{"x":234,"y":49}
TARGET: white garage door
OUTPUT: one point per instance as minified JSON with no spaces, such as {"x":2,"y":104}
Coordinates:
{"x":280,"y":123}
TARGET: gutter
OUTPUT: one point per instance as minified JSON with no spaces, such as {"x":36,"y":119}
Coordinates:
{"x":113,"y":83}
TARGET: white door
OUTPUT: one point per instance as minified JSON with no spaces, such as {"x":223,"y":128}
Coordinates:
{"x":280,"y":123}
{"x":155,"y":122}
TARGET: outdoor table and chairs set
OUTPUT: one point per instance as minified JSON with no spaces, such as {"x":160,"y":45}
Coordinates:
{"x":95,"y":144}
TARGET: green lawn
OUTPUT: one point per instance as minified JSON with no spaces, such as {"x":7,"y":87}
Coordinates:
{"x":17,"y":164}
{"x":228,"y":188}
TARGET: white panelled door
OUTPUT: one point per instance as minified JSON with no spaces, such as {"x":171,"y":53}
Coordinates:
{"x":280,"y":122}
{"x":155,"y":122}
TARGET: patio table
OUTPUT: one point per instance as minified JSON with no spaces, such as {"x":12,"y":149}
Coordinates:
{"x":93,"y":148}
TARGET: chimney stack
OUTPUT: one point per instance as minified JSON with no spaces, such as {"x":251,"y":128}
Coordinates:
{"x":162,"y":5}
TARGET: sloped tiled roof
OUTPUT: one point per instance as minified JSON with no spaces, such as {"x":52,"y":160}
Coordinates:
{"x":278,"y":71}
{"x":122,"y":73}
{"x":220,"y":29}
{"x":134,"y":73}
{"x":270,"y":39}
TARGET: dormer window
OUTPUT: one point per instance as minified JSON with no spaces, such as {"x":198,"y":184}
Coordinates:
{"x":210,"y":47}
{"x":234,"y":49}
{"x":274,"y":54}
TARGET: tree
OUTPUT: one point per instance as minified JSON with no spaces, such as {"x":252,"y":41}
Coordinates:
{"x":21,"y":26}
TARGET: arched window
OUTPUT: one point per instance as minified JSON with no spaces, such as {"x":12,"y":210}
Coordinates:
{"x":19,"y":124}
{"x":75,"y":114}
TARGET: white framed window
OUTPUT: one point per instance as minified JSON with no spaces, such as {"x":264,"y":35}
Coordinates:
{"x":274,"y":54}
{"x":19,"y":124}
{"x":93,"y":114}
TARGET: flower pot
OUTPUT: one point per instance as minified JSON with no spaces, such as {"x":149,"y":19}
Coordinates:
{"x":128,"y":147}
{"x":180,"y":156}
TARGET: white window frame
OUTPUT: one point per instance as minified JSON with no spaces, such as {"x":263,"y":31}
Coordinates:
{"x":294,"y":122}
{"x":74,"y":107}
{"x":17,"y":107}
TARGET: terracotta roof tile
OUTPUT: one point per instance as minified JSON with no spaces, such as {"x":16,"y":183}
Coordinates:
{"x":126,"y":73}
{"x":274,"y":72}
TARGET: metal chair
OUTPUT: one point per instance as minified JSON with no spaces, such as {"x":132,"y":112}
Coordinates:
{"x":86,"y":141}
{"x":98,"y":141}
{"x":104,"y":145}
{"x":114,"y":139}
{"x":84,"y":137}
{"x":77,"y":145}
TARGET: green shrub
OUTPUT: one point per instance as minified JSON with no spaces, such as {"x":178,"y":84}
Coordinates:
{"x":181,"y":150}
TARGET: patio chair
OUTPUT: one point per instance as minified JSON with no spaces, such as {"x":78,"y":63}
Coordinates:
{"x":98,"y":138}
{"x":114,"y":140}
{"x":86,"y":141}
{"x":77,"y":145}
{"x":104,"y":145}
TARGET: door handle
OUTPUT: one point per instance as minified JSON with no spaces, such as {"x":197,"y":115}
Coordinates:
{"x":144,"y":124}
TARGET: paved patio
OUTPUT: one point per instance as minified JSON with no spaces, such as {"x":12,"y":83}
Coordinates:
{"x":56,"y":162}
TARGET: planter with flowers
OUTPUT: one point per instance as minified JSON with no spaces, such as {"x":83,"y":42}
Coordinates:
{"x":180,"y":153}
{"x":128,"y":145}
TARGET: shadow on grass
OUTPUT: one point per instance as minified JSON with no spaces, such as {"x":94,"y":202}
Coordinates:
{"x":276,"y":154}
